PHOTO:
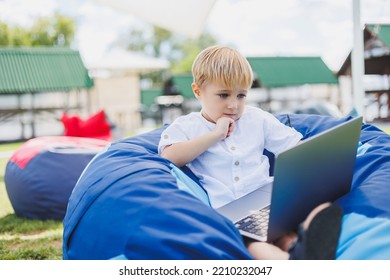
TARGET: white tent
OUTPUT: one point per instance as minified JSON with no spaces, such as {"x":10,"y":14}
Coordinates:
{"x":187,"y":17}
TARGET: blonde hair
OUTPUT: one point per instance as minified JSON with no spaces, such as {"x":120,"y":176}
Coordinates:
{"x":222,"y":65}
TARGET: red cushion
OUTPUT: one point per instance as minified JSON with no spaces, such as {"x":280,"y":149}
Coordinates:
{"x":95,"y":126}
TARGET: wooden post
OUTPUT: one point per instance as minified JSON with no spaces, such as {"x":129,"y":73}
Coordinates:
{"x":22,"y":136}
{"x":357,"y":60}
{"x":33,"y":119}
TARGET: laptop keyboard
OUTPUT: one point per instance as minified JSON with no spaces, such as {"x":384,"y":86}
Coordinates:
{"x":256,"y":223}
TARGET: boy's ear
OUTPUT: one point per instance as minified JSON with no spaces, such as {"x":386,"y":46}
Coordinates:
{"x":195,"y":89}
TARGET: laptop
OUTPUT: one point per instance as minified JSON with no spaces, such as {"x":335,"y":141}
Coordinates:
{"x":319,"y":169}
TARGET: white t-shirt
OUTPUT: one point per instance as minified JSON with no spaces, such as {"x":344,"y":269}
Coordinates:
{"x":236,"y":165}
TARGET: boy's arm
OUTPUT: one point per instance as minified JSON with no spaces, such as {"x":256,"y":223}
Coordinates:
{"x":183,"y":152}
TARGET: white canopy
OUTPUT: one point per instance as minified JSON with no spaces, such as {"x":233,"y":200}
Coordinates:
{"x":187,"y":17}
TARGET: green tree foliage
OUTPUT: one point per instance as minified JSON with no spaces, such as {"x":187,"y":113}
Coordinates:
{"x":42,"y":33}
{"x":153,"y":41}
{"x":65,"y":28}
{"x":190,"y":48}
{"x":4,"y":34}
{"x":19,"y":37}
{"x":161,"y":43}
{"x":58,"y":30}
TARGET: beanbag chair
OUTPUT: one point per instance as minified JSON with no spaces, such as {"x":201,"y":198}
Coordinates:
{"x":132,"y":204}
{"x":127,"y":200}
{"x":96,"y":126}
{"x":42,"y":173}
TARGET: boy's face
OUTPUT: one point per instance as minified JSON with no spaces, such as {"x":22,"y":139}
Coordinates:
{"x":218,"y":101}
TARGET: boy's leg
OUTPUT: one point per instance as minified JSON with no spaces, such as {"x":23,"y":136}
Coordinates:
{"x":304,"y":248}
{"x":288,"y":240}
{"x":266,"y":251}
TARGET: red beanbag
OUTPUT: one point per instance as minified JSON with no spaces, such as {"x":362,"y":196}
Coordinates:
{"x":95,"y":126}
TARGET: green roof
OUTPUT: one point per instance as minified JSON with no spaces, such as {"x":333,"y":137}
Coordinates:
{"x":382,"y":31}
{"x":25,"y":70}
{"x":148,"y":96}
{"x":183,"y":84}
{"x":291,"y":71}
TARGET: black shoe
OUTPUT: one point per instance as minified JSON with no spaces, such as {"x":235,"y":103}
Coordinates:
{"x":320,"y":240}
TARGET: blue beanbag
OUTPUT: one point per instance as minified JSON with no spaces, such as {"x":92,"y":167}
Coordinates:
{"x":127,"y":202}
{"x":42,"y":173}
{"x":130,"y":203}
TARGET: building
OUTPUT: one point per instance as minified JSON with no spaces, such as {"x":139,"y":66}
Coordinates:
{"x":117,"y":87}
{"x":376,"y":69}
{"x":285,"y":82}
{"x":36,"y":86}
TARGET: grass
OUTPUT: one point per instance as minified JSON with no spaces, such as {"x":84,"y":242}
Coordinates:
{"x":385,"y":129}
{"x":25,"y":239}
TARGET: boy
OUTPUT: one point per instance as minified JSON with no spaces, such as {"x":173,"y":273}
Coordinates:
{"x":223,"y":144}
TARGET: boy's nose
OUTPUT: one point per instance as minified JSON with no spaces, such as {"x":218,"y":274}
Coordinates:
{"x":233,"y":104}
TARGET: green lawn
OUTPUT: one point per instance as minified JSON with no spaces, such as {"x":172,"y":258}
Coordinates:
{"x":25,"y":239}
{"x":385,"y":129}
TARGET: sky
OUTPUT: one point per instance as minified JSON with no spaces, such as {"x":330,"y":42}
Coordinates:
{"x":255,"y":27}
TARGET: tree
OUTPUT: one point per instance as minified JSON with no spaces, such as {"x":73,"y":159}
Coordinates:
{"x":151,"y":40}
{"x":58,"y":30}
{"x":161,"y":43}
{"x":190,"y":48}
{"x":65,"y":29}
{"x":42,"y":33}
{"x":4,"y":34}
{"x":19,"y":37}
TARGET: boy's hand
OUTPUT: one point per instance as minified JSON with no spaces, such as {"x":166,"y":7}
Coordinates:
{"x":224,"y":127}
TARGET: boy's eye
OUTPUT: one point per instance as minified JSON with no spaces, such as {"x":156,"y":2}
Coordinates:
{"x":242,"y":95}
{"x":223,"y":95}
